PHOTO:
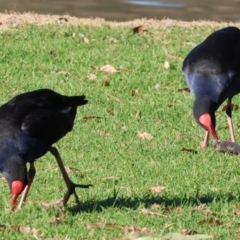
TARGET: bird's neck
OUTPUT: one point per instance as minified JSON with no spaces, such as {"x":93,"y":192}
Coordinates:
{"x":204,"y":105}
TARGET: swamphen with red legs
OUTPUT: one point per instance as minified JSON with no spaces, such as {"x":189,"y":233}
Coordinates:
{"x":212,"y":72}
{"x":29,"y":124}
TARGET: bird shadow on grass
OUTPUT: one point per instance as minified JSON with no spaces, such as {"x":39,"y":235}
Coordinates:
{"x":146,"y":201}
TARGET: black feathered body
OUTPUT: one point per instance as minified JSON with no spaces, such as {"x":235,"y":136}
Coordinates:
{"x":29,"y":124}
{"x":212,"y":69}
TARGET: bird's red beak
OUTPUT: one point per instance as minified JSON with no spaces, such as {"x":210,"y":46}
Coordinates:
{"x":17,"y":188}
{"x":206,"y":121}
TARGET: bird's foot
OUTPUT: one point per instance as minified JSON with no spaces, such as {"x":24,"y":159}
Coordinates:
{"x":71,"y":190}
{"x":203,"y":145}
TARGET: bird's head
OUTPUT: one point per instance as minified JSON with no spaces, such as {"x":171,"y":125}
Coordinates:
{"x":204,"y":113}
{"x":15,"y":174}
{"x":16,"y":189}
{"x":208,"y":123}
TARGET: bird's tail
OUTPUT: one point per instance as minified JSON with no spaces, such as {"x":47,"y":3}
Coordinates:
{"x":77,"y":100}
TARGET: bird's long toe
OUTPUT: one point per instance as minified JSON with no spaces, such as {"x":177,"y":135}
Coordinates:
{"x":71,"y":190}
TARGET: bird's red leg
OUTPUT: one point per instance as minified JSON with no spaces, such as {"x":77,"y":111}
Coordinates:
{"x":229,"y":119}
{"x":204,"y":143}
{"x":70,"y":185}
{"x":31,"y":174}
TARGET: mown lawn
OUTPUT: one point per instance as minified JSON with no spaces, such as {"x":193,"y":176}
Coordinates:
{"x":128,"y":141}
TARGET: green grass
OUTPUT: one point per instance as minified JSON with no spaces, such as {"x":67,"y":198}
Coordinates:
{"x":121,"y":166}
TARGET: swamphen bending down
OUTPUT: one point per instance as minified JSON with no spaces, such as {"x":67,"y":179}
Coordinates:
{"x":29,"y":124}
{"x":212,"y":72}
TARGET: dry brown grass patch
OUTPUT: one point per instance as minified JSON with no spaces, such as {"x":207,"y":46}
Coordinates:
{"x":13,"y":19}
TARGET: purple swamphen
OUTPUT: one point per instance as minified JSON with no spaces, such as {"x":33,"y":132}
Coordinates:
{"x":29,"y":124}
{"x":212,"y":72}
